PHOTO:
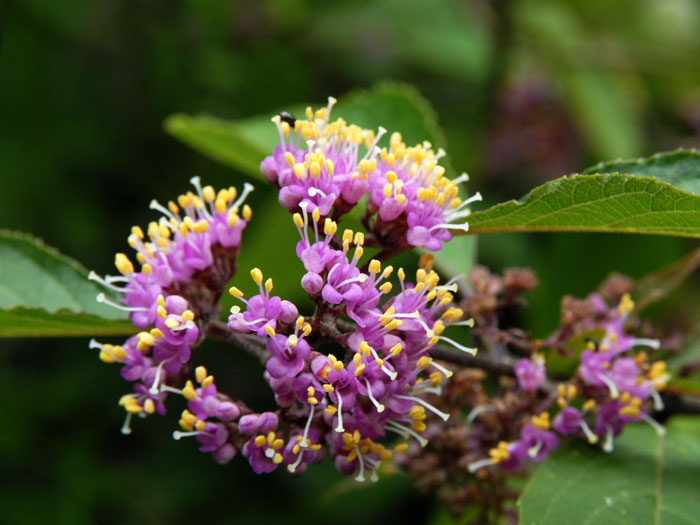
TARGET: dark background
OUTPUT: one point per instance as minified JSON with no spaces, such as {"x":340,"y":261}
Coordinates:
{"x":526,"y":91}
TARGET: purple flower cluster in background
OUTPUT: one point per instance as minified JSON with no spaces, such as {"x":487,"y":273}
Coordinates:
{"x":612,"y":386}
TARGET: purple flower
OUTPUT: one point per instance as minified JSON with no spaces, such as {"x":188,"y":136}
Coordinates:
{"x":530,"y":373}
{"x":288,"y":355}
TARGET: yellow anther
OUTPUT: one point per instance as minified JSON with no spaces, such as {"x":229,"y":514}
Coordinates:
{"x":385,"y":288}
{"x":338,"y":365}
{"x":268,"y":285}
{"x":220,"y":205}
{"x":257,"y":276}
{"x":396,"y":349}
{"x":360,"y":369}
{"x":330,"y":168}
{"x":401,"y":274}
{"x":119,"y":353}
{"x":200,"y":226}
{"x":388,"y":190}
{"x":208,"y":381}
{"x":133,"y":408}
{"x":106,"y":357}
{"x":157,"y":333}
{"x":247,"y":212}
{"x":358,"y":252}
{"x":364,"y":349}
{"x":331,"y":410}
{"x":200,"y":374}
{"x":277,"y":444}
{"x":188,"y":391}
{"x":298,"y":221}
{"x":123,"y":264}
{"x":588,"y":405}
{"x":270,"y":331}
{"x":315,"y":170}
{"x":235,"y":292}
{"x":260,"y":441}
{"x":328,"y":388}
{"x":541,"y":421}
{"x":299,"y":322}
{"x":316,"y":215}
{"x":290,"y":159}
{"x":356,"y":359}
{"x":208,"y":193}
{"x":299,"y":171}
{"x":423,"y":362}
{"x":172,"y":323}
{"x":393,"y":325}
{"x":359,"y":239}
{"x":146,"y":338}
{"x":149,"y":406}
{"x":626,"y":305}
{"x":187,"y":315}
{"x":347,"y":235}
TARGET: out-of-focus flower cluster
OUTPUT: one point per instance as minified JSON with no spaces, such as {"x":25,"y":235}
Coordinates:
{"x":609,"y":378}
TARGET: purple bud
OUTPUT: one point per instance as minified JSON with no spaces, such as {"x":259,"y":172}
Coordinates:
{"x":175,"y":304}
{"x":312,"y":283}
{"x":289,"y":312}
{"x":224,"y":454}
{"x":268,"y":167}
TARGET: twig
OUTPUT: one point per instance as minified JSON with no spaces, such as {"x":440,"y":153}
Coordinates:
{"x":251,"y":344}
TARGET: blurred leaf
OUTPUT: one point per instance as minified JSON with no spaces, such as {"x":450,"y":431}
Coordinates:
{"x":596,"y":203}
{"x":44,"y":293}
{"x":655,"y":286}
{"x":680,"y":168}
{"x":226,"y":142}
{"x":688,"y":387}
{"x":243,"y":144}
{"x":447,"y":38}
{"x":648,"y":479}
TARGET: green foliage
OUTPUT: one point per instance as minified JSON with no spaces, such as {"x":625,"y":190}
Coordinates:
{"x":245,"y":143}
{"x":648,"y":479}
{"x":680,"y":168}
{"x":44,"y":293}
{"x":597,"y":203}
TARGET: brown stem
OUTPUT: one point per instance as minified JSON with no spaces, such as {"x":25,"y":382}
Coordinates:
{"x":249,"y":343}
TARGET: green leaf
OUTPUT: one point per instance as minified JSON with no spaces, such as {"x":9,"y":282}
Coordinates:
{"x":44,"y":293}
{"x":36,"y":322}
{"x":647,"y":479}
{"x":655,"y":286}
{"x":243,"y":144}
{"x":680,"y":168}
{"x":596,"y":203}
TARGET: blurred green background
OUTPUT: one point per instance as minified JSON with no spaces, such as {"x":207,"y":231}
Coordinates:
{"x":526,"y":91}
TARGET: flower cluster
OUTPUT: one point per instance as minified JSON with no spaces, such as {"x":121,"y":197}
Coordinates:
{"x":613,"y":386}
{"x":185,"y":259}
{"x":379,"y":387}
{"x":330,"y":165}
{"x":364,"y":364}
{"x":375,"y":378}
